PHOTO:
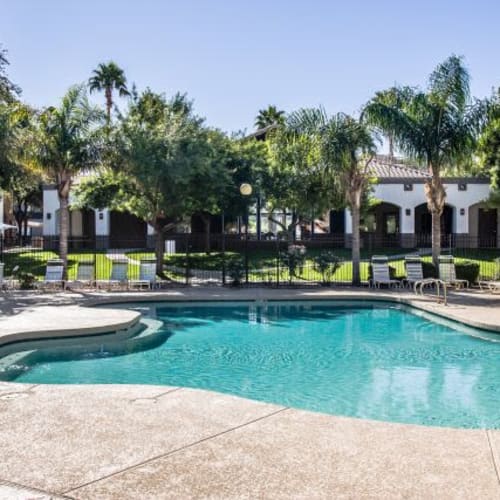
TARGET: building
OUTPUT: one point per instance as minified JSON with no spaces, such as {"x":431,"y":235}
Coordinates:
{"x":400,"y":218}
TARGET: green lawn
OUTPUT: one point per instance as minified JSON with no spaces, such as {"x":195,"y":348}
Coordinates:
{"x":262,"y":263}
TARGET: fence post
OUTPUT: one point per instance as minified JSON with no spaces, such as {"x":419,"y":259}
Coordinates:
{"x":187,"y":259}
{"x":223,"y":249}
{"x":246,"y":251}
{"x":277,"y":262}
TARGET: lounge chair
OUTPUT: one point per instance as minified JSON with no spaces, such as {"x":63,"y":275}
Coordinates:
{"x":118,"y":277}
{"x":54,"y":272}
{"x":381,"y":272}
{"x":415,"y":273}
{"x":492,"y":285}
{"x":447,"y":272}
{"x":84,"y":275}
{"x":147,"y":275}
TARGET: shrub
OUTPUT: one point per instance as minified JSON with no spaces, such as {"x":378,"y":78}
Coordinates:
{"x":467,"y":270}
{"x":235,"y":270}
{"x":26,"y":281}
{"x":326,"y":264}
{"x":293,"y":259}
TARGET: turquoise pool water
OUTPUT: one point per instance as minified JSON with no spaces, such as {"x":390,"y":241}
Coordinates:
{"x":377,"y":361}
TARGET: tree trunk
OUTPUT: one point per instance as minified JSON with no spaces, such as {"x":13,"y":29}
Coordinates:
{"x":291,"y":229}
{"x":206,"y":223}
{"x":63,"y":230}
{"x":436,"y":197}
{"x":436,"y":237}
{"x":355,"y":243}
{"x":109,"y":104}
{"x":391,"y":147}
{"x":159,"y":250}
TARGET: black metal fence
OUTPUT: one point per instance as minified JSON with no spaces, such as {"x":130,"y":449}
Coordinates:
{"x":195,"y":259}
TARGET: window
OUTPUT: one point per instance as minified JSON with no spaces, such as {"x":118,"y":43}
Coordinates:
{"x":391,"y":224}
{"x":369,"y":223}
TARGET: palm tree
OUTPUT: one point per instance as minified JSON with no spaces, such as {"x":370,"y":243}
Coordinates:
{"x":392,"y":97}
{"x":437,"y":127}
{"x":347,"y":148}
{"x":108,"y":77}
{"x":269,"y":116}
{"x":63,"y":142}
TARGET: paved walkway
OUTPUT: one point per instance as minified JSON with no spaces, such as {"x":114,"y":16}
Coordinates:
{"x":86,"y":441}
{"x":164,"y":442}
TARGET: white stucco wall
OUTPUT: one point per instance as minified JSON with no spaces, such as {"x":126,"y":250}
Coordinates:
{"x":1,"y":207}
{"x":50,"y":207}
{"x":102,"y":222}
{"x":395,"y":194}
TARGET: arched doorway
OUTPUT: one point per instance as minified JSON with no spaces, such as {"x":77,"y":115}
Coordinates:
{"x":81,"y":228}
{"x":423,"y":225}
{"x":380,"y":227}
{"x":483,"y":226}
{"x":126,"y":231}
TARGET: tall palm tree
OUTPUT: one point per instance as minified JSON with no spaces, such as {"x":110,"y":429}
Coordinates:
{"x":347,"y":148}
{"x":437,"y":127}
{"x":269,"y":116}
{"x":63,"y":141}
{"x":108,"y":77}
{"x":392,"y":97}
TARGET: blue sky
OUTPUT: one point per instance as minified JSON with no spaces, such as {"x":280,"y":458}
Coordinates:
{"x":234,"y":57}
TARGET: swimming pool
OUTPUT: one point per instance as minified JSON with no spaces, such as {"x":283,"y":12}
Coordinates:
{"x":377,"y":361}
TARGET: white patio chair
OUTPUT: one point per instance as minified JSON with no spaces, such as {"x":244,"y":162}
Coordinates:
{"x":84,"y":276}
{"x":415,"y":273}
{"x":147,"y":275}
{"x":447,"y":272}
{"x":119,"y":275}
{"x":381,"y":272}
{"x":492,"y":285}
{"x":54,"y":272}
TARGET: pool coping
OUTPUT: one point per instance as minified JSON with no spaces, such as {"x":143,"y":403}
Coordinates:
{"x":410,"y":300}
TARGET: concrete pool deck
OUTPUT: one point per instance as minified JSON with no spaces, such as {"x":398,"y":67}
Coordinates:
{"x":87,"y":441}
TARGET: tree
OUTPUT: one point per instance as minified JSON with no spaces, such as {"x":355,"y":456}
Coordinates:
{"x":64,"y":142}
{"x":210,"y":181}
{"x":296,"y":179}
{"x":108,"y":77}
{"x":154,"y":150}
{"x":346,"y":149}
{"x":8,"y":90}
{"x":25,"y":187}
{"x":392,"y":97}
{"x":437,"y":127}
{"x":489,"y":147}
{"x":269,"y":116}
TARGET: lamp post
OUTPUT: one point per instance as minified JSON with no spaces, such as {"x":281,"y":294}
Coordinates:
{"x":246,"y":191}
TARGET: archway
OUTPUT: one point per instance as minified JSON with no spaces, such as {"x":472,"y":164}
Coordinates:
{"x":126,"y":230}
{"x":423,"y":225}
{"x":81,"y":228}
{"x":380,"y":226}
{"x":483,"y":226}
